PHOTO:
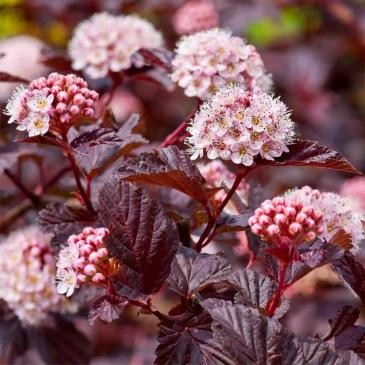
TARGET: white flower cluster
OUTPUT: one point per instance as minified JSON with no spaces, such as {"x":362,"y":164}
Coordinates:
{"x":238,"y":125}
{"x":106,"y":43}
{"x":207,"y":60}
{"x":338,"y":213}
{"x":27,"y":277}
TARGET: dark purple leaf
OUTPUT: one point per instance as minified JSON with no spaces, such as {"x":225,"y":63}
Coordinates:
{"x":49,"y":141}
{"x":13,"y":340}
{"x":169,"y":167}
{"x":345,"y":317}
{"x":6,"y":77}
{"x":191,"y":272}
{"x":56,"y":61}
{"x":59,"y":342}
{"x":233,"y":223}
{"x":256,"y":290}
{"x":142,"y":238}
{"x":64,"y":220}
{"x":311,"y":154}
{"x":352,"y":272}
{"x":351,"y":338}
{"x":349,"y":358}
{"x":157,"y":57}
{"x":107,"y":309}
{"x":316,"y":352}
{"x":249,"y":339}
{"x":186,"y":340}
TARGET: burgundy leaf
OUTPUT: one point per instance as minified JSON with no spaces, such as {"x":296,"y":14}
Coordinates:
{"x":351,"y":338}
{"x":345,"y":317}
{"x":159,"y":57}
{"x":169,"y":167}
{"x":317,"y":352}
{"x":249,"y":339}
{"x":310,"y":153}
{"x":352,"y":272}
{"x":256,"y":290}
{"x":142,"y":238}
{"x":56,"y":61}
{"x":186,"y":339}
{"x":106,"y":309}
{"x":50,"y":141}
{"x":59,"y":342}
{"x":191,"y":272}
{"x":233,"y":223}
{"x":64,"y":220}
{"x":6,"y":77}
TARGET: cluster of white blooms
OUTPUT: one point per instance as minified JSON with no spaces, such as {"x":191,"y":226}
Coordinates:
{"x":106,"y":43}
{"x":338,"y":213}
{"x":238,"y":125}
{"x":84,"y":259}
{"x":207,"y":60}
{"x":27,"y":277}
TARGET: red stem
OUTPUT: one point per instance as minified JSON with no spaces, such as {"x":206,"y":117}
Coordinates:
{"x":279,"y":291}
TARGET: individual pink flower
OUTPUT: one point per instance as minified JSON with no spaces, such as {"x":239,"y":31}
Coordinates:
{"x":195,"y":16}
{"x":85,"y":259}
{"x":27,"y":276}
{"x":208,"y":60}
{"x":240,"y":125}
{"x":106,"y":43}
{"x":54,"y":102}
{"x":338,"y":213}
{"x":355,"y":190}
{"x":285,"y":223}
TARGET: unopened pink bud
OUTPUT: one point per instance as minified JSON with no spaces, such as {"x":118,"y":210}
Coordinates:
{"x":318,"y":215}
{"x":301,"y":217}
{"x":252,"y":220}
{"x":264,"y":220}
{"x":90,"y":270}
{"x":62,"y":96}
{"x":280,"y":209}
{"x":55,"y":89}
{"x":103,"y":252}
{"x":72,"y":239}
{"x":90,"y":239}
{"x":307,"y":210}
{"x":79,"y":99}
{"x":88,"y":230}
{"x":94,"y":95}
{"x":79,"y":263}
{"x":256,"y":229}
{"x":98,"y":278}
{"x":258,"y":211}
{"x":61,"y":107}
{"x":73,"y":89}
{"x":295,"y":228}
{"x":88,"y":112}
{"x":89,"y":103}
{"x":268,"y":208}
{"x":86,"y":249}
{"x":273,"y":230}
{"x":290,"y":212}
{"x":310,"y":223}
{"x":310,"y":236}
{"x":81,"y":278}
{"x":94,"y":257}
{"x":280,"y":218}
{"x":320,"y":229}
{"x":65,"y":118}
{"x":74,"y":110}
{"x":278,"y":201}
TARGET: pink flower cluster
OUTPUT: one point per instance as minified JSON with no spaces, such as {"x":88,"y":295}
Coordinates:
{"x":84,"y":259}
{"x":195,"y":16}
{"x":52,"y":102}
{"x":207,"y":60}
{"x":106,"y":43}
{"x":355,"y":190}
{"x":339,"y":213}
{"x":238,"y":125}
{"x":217,"y":175}
{"x":27,"y":274}
{"x":286,"y":223}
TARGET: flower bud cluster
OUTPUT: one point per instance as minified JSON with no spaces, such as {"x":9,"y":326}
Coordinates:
{"x":106,"y":43}
{"x":84,"y":259}
{"x":207,"y":60}
{"x":238,"y":125}
{"x":195,"y":16}
{"x":52,"y":102}
{"x":27,"y":274}
{"x":339,"y":213}
{"x":286,"y":223}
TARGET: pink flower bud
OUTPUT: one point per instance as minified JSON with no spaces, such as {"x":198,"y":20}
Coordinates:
{"x":256,"y":229}
{"x":268,"y":208}
{"x":103,"y":252}
{"x":307,"y":210}
{"x":88,"y":112}
{"x":273,"y":230}
{"x":280,"y":218}
{"x":65,"y":118}
{"x":320,"y":229}
{"x":280,"y":209}
{"x":258,"y":211}
{"x":73,"y":239}
{"x":62,"y":96}
{"x":98,"y":278}
{"x":310,"y":236}
{"x":79,"y":99}
{"x":89,"y":103}
{"x":252,"y":220}
{"x":74,"y":110}
{"x":86,"y":249}
{"x":278,"y":201}
{"x":90,"y":239}
{"x":61,"y":107}
{"x":94,"y":257}
{"x":88,"y":230}
{"x":81,"y":278}
{"x":85,"y":92}
{"x":73,"y":89}
{"x":79,"y":263}
{"x":94,"y":95}
{"x":55,"y":89}
{"x":90,"y":270}
{"x":310,"y":223}
{"x":318,"y":215}
{"x":295,"y":228}
{"x":290,"y":212}
{"x":301,"y":217}
{"x":264,"y":220}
